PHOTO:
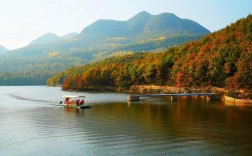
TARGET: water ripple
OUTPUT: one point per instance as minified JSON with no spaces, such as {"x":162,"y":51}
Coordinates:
{"x":162,"y":128}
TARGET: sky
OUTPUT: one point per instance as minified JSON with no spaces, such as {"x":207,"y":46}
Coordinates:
{"x":22,"y":21}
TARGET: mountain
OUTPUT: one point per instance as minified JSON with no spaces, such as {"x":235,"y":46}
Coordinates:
{"x":144,"y":32}
{"x":45,"y":39}
{"x":219,"y":59}
{"x":144,"y":26}
{"x":3,"y":50}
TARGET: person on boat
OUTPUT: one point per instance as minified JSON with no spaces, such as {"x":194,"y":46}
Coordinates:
{"x":82,"y":102}
{"x":67,"y":101}
{"x":77,"y":101}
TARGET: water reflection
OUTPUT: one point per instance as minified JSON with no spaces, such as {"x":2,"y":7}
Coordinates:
{"x":74,"y":111}
{"x":210,"y":122}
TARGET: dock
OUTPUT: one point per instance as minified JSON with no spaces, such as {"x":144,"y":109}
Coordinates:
{"x":208,"y":96}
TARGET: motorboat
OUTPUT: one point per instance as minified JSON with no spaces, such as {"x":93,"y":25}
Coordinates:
{"x":73,"y":101}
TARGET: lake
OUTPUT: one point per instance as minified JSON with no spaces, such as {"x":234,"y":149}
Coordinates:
{"x":30,"y":124}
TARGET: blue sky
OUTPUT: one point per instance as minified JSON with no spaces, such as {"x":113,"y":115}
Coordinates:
{"x":21,"y":21}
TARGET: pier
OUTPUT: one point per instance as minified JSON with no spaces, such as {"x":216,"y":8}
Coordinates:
{"x":209,"y":96}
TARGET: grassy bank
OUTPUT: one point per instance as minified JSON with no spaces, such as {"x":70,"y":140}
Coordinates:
{"x":169,"y":89}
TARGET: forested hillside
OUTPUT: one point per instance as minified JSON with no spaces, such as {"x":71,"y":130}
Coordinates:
{"x":222,"y":59}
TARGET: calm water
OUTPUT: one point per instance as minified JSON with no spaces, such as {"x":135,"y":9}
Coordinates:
{"x":31,"y":125}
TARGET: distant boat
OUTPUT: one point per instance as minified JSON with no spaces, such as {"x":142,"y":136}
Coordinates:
{"x":73,"y":101}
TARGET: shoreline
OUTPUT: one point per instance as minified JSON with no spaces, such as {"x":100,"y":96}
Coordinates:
{"x":234,"y":100}
{"x":154,"y":89}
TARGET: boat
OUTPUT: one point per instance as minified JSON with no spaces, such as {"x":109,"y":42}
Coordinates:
{"x":73,"y":101}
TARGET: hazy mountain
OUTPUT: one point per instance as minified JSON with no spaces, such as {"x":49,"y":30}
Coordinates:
{"x":143,"y":32}
{"x":3,"y":50}
{"x":45,"y":39}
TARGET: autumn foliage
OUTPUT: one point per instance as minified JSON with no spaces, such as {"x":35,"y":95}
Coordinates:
{"x":222,"y":59}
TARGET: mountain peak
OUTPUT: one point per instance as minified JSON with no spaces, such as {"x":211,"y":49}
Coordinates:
{"x":140,"y":15}
{"x":143,"y":13}
{"x":46,"y":38}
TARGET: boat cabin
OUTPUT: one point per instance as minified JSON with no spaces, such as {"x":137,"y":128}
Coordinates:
{"x":72,"y":100}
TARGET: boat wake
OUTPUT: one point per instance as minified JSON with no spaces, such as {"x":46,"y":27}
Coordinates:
{"x":30,"y":99}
